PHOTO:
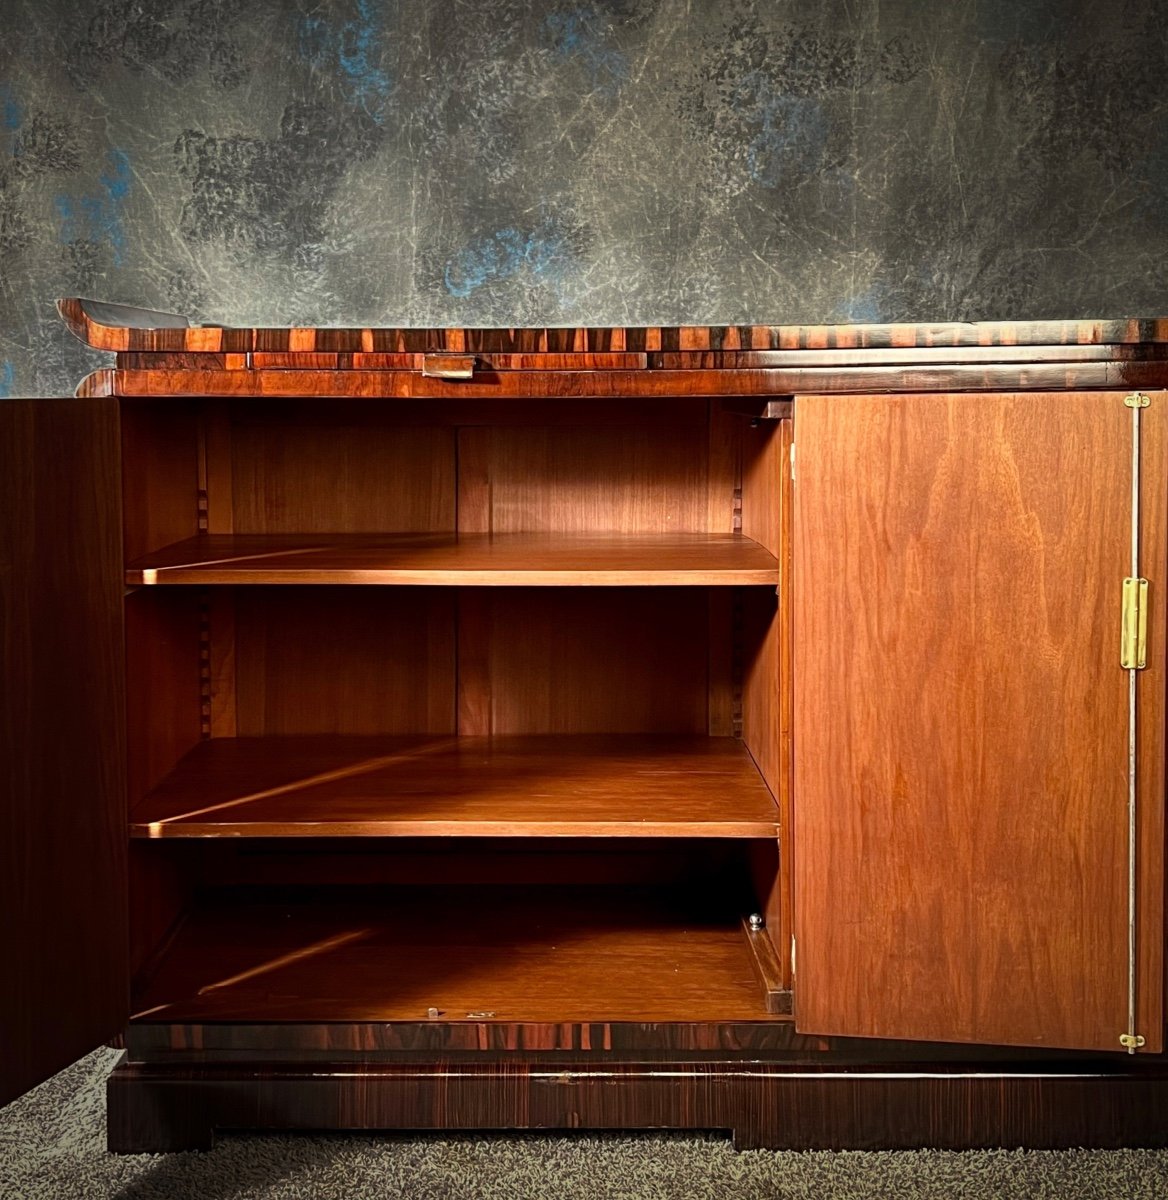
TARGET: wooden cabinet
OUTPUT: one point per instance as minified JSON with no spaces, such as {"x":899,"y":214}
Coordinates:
{"x":507,"y":739}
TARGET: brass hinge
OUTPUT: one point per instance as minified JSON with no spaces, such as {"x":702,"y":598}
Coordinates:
{"x":1137,"y":400}
{"x":1131,"y":1041}
{"x":792,"y":462}
{"x":1133,"y":648}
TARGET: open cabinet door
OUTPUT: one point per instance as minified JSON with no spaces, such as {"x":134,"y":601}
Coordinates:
{"x":62,"y":797}
{"x":962,"y":719}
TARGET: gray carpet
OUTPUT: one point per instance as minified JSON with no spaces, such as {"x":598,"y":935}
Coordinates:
{"x":52,"y":1148}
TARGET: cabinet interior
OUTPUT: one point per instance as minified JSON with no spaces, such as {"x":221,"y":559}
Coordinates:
{"x":534,"y":801}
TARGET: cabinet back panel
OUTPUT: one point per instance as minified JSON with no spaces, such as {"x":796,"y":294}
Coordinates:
{"x":567,"y":660}
{"x":583,"y":480}
{"x":337,"y":660}
{"x":292,"y":476}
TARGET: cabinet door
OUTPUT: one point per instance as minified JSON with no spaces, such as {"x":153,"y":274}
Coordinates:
{"x":62,"y":798}
{"x":962,"y":718}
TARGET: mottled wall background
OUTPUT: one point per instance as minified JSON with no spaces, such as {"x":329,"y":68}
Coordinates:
{"x":595,"y":161}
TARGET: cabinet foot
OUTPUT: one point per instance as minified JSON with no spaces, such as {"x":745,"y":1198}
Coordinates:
{"x":159,"y":1116}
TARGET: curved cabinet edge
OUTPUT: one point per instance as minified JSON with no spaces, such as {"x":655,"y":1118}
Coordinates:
{"x":106,"y":326}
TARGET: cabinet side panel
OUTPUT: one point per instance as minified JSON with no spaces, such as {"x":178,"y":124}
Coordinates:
{"x":766,"y":450}
{"x":160,"y":490}
{"x":766,"y":657}
{"x":62,"y":737}
{"x":961,"y":720}
{"x":164,"y":688}
{"x":766,"y":681}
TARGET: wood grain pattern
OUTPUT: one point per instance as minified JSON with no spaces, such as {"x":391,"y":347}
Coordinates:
{"x":163,"y":685}
{"x":337,"y":660}
{"x":597,"y":384}
{"x":117,"y":327}
{"x":160,"y":895}
{"x":580,"y":660}
{"x":62,"y":737}
{"x":481,"y":560}
{"x":575,"y":786}
{"x":160,"y":481}
{"x":335,"y":1042}
{"x":763,"y":470}
{"x":784,"y":900}
{"x":589,"y":954}
{"x":585,"y":479}
{"x":766,"y":685}
{"x":961,"y":720}
{"x":672,"y":360}
{"x":877,"y":356}
{"x":292,"y":476}
{"x":216,"y":468}
{"x":1151,"y":730}
{"x":218,"y":615}
{"x":724,"y":718}
{"x":775,"y":1041}
{"x":160,"y":1108}
{"x":762,"y":686}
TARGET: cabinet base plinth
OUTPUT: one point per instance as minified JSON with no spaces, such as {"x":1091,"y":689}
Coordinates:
{"x":163,"y":1107}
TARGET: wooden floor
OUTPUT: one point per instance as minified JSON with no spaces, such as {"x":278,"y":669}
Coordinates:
{"x":472,"y":954}
{"x":503,"y":560}
{"x":550,"y":786}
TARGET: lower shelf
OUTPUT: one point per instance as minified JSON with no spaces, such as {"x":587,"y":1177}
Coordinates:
{"x":575,"y":785}
{"x":459,"y":954}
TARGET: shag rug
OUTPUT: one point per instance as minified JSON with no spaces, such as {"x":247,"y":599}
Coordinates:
{"x":52,"y":1147}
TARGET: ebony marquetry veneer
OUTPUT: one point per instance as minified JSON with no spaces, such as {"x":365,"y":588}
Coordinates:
{"x":744,"y":728}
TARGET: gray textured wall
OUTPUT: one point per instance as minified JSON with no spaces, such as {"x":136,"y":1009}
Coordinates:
{"x":629,"y":161}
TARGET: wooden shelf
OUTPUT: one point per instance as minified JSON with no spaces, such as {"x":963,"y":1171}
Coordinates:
{"x":539,"y":785}
{"x":509,"y":559}
{"x":484,"y":954}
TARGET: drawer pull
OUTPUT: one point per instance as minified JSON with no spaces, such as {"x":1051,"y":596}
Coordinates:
{"x":448,"y":366}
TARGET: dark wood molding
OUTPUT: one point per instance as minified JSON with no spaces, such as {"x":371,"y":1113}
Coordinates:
{"x":154,"y":1109}
{"x":117,"y":327}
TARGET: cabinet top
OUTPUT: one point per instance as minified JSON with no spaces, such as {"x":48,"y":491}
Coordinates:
{"x":122,"y":328}
{"x":161,"y":354}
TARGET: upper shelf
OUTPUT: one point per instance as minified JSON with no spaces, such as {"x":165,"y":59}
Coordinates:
{"x":475,"y":560}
